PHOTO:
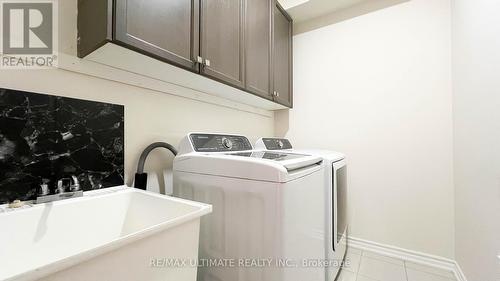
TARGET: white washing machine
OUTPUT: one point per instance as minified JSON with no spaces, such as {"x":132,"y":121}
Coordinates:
{"x":268,"y":213}
{"x":336,"y":199}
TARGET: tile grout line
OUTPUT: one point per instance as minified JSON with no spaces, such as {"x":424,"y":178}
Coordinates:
{"x":359,"y":265}
{"x":430,"y":272}
{"x":405,"y":266}
{"x":406,"y":271}
{"x":403,"y":261}
{"x":380,"y":258}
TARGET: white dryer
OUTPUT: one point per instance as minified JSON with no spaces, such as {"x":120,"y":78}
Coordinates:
{"x":268,"y":209}
{"x":336,"y":225}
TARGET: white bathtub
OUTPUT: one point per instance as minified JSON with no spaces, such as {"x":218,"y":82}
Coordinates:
{"x":106,"y":235}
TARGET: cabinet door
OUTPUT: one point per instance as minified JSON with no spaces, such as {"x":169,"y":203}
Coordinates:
{"x":258,"y":47}
{"x":282,"y":56}
{"x":222,"y":40}
{"x":167,"y":29}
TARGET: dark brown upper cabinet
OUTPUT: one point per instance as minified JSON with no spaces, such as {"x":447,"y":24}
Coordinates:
{"x":166,"y":29}
{"x":245,"y":44}
{"x":258,"y":51}
{"x":221,"y":44}
{"x":282,"y":56}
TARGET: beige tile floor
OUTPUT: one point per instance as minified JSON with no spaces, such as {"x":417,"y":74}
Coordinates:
{"x":368,"y":266}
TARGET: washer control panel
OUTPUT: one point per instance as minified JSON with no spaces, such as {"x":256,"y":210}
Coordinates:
{"x":219,"y":143}
{"x":276,"y":144}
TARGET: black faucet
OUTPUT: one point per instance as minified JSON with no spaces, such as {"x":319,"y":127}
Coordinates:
{"x":141,"y":178}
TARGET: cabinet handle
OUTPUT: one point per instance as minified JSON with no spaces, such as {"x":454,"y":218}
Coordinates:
{"x":204,"y":62}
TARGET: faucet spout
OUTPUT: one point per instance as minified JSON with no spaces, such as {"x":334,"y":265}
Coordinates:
{"x":141,"y":178}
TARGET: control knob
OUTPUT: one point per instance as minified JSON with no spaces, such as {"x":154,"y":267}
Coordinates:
{"x":227,"y":143}
{"x":280,"y":144}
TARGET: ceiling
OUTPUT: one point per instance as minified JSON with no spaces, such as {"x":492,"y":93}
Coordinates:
{"x":303,"y":10}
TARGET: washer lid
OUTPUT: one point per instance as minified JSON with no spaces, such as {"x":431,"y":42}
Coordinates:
{"x":248,"y":165}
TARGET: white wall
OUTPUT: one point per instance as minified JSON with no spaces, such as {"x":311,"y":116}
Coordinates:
{"x":378,"y":88}
{"x":476,"y":89}
{"x":149,"y":116}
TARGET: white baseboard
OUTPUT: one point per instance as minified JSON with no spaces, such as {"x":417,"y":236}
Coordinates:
{"x":408,"y":255}
{"x":459,"y":274}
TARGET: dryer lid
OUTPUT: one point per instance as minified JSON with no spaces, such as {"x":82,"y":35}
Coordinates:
{"x":269,"y":155}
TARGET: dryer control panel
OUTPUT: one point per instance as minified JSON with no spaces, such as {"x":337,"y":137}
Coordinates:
{"x":276,"y":144}
{"x":219,"y":143}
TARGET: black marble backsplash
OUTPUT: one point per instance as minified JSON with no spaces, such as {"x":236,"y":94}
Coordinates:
{"x":50,"y":140}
